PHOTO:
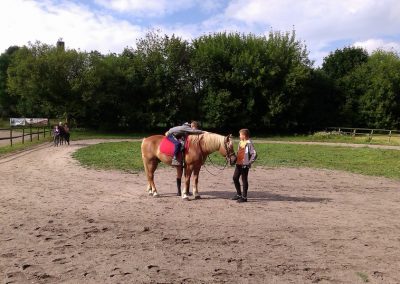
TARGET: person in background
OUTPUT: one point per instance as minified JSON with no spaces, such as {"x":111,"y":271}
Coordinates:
{"x":246,"y":155}
{"x":66,"y":133}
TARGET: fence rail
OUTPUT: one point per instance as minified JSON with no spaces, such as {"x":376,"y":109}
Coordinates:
{"x":368,"y":132}
{"x":32,"y":132}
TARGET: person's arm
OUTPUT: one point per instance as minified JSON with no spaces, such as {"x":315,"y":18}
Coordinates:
{"x":252,"y":152}
{"x":173,"y":130}
{"x":195,"y":131}
{"x":186,"y":129}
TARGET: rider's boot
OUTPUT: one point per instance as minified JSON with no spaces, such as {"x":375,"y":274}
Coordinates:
{"x":175,"y":162}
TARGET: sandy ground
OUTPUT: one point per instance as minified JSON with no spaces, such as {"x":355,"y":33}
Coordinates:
{"x":62,"y":223}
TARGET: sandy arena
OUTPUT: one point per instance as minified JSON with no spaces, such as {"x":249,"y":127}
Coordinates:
{"x":63,"y":223}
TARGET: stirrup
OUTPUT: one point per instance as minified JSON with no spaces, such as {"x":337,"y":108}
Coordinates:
{"x":175,"y":162}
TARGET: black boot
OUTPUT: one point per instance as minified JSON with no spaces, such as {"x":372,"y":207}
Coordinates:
{"x":178,"y":185}
{"x":242,"y":199}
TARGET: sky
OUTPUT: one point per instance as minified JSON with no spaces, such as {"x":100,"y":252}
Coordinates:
{"x":109,"y":26}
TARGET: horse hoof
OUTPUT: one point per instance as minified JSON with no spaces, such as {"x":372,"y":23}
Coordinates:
{"x":185,"y":197}
{"x":150,"y":193}
{"x":197,"y":197}
{"x":155,"y":194}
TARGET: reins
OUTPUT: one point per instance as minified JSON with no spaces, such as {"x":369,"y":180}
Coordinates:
{"x":214,"y":165}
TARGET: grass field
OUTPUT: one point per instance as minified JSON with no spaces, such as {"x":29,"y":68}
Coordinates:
{"x":126,"y":156}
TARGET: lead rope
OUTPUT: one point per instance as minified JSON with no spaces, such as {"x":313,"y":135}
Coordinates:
{"x":226,"y":161}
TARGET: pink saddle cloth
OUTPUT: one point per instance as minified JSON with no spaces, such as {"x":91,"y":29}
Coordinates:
{"x":167,"y":147}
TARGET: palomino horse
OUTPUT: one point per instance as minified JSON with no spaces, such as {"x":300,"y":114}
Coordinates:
{"x":199,"y":147}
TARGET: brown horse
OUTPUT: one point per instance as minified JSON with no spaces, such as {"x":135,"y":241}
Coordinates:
{"x":200,"y":146}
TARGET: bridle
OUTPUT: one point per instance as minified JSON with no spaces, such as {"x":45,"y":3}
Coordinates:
{"x":228,"y":155}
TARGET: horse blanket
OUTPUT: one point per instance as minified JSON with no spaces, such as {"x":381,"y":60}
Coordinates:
{"x":167,"y":147}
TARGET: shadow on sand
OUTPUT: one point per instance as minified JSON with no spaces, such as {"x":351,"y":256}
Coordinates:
{"x":257,"y":196}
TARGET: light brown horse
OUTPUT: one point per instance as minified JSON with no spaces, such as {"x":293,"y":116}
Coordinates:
{"x":200,"y":146}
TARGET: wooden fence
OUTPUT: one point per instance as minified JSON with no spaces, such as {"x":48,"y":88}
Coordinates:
{"x":33,"y":132}
{"x":367,"y":132}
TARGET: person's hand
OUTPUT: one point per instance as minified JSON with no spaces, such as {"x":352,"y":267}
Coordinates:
{"x":166,"y":133}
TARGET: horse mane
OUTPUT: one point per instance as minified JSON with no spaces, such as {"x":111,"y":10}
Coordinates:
{"x":211,"y":141}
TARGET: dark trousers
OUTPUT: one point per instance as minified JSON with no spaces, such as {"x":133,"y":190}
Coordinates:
{"x":176,"y":142}
{"x":244,"y":172}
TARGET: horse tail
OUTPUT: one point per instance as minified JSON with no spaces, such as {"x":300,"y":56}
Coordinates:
{"x":142,"y":146}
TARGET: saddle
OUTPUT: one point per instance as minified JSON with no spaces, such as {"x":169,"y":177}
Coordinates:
{"x":167,"y":148}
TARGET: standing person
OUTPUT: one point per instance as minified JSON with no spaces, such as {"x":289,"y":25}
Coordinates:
{"x":175,"y":134}
{"x":56,"y":135}
{"x":66,"y":133}
{"x":246,"y":155}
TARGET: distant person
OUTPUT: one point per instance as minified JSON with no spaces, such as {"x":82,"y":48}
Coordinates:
{"x":56,"y":135}
{"x":66,"y":133}
{"x":246,"y":155}
{"x":62,"y":132}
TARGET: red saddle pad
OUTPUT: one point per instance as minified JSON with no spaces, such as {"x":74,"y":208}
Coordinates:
{"x":167,"y":147}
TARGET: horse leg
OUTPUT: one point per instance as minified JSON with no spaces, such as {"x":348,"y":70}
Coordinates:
{"x":179,"y":172}
{"x":196,"y":173}
{"x":188,"y":174}
{"x":150,"y":167}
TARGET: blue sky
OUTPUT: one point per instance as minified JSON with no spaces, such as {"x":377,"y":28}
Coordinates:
{"x":112,"y":25}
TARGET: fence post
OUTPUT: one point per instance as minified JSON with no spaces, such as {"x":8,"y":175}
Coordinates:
{"x":390,"y":135}
{"x":44,"y":131}
{"x":11,"y":136}
{"x":23,"y":135}
{"x":30,"y":130}
{"x":38,"y":132}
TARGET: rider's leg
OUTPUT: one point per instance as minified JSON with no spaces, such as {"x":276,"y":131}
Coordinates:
{"x":177,"y":144}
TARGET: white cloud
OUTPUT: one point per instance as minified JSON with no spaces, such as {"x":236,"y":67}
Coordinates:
{"x":146,"y":8}
{"x":321,"y":23}
{"x":23,"y":21}
{"x":323,"y":18}
{"x":158,"y":8}
{"x":373,"y":44}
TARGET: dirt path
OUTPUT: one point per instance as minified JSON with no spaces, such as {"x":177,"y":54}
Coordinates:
{"x":62,"y":223}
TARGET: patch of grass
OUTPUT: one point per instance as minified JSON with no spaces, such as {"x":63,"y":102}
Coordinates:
{"x":376,"y":139}
{"x":363,"y":276}
{"x":126,"y":156}
{"x":81,"y":134}
{"x":366,"y":161}
{"x":4,"y":123}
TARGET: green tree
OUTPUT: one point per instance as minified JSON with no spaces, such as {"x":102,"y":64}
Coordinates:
{"x":338,"y":66}
{"x":46,"y":79}
{"x":377,"y":84}
{"x":259,"y":79}
{"x":7,"y":102}
{"x":167,"y":86}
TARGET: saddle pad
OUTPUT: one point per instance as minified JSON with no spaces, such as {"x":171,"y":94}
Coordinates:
{"x":167,"y":147}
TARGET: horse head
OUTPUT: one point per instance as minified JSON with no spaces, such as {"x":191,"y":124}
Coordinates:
{"x":230,"y":155}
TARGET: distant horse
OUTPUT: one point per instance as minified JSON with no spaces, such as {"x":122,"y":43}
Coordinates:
{"x":197,"y":149}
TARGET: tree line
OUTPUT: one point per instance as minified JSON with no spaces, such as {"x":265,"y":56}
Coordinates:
{"x":224,"y":80}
